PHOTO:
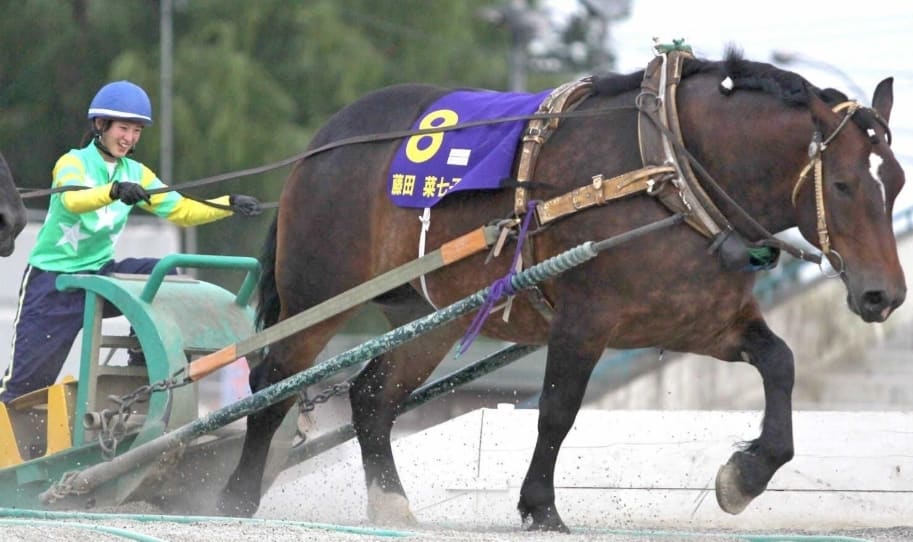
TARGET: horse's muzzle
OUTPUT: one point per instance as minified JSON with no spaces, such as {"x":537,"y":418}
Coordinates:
{"x":876,"y":305}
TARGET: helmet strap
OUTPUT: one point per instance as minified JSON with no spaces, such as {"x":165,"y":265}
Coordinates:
{"x":101,"y":146}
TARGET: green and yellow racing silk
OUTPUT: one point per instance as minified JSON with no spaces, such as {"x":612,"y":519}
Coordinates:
{"x":82,"y":227}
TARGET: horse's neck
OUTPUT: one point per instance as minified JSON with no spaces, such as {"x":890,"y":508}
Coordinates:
{"x":744,"y":153}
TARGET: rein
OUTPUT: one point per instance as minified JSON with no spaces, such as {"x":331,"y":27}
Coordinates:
{"x":769,"y":239}
{"x":355,"y":140}
{"x":816,"y":149}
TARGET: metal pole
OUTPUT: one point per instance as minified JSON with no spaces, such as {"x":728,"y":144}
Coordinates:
{"x":420,"y":396}
{"x":519,"y":60}
{"x":166,"y":111}
{"x":166,"y":167}
{"x":521,"y":32}
{"x":81,"y":482}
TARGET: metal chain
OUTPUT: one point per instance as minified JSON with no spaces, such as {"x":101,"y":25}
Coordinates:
{"x":114,"y":422}
{"x":64,"y":488}
{"x":306,"y":404}
{"x":114,"y":426}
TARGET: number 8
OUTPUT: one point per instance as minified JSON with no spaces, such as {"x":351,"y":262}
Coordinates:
{"x":418,"y":155}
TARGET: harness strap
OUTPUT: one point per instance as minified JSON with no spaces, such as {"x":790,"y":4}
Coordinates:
{"x":425,"y":219}
{"x":657,"y":104}
{"x":823,"y":238}
{"x":562,"y":100}
{"x":602,"y":191}
{"x":815,"y":151}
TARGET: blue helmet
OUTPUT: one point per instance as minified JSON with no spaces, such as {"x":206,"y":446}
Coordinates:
{"x":122,"y":100}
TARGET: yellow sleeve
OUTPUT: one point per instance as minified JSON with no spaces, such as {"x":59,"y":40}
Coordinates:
{"x":70,"y":171}
{"x":188,"y":212}
{"x":90,"y":199}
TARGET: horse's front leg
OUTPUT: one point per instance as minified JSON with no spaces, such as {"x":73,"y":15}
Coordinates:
{"x":748,"y":471}
{"x":569,"y":364}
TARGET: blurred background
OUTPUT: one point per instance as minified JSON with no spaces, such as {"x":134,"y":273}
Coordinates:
{"x":237,"y":84}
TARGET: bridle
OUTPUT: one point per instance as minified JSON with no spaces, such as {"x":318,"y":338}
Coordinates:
{"x":816,"y":149}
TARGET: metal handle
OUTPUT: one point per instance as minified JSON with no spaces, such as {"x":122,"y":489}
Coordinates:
{"x":172,"y":261}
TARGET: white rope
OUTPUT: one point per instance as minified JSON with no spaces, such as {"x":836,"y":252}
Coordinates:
{"x":426,"y":225}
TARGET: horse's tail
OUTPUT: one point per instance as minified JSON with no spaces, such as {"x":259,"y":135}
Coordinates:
{"x":268,"y":295}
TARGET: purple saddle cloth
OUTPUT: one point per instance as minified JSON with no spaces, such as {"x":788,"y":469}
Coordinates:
{"x":428,"y":167}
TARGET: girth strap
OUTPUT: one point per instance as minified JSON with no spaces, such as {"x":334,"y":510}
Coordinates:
{"x":564,"y":98}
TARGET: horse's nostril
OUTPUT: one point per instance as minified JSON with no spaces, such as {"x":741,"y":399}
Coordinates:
{"x":873,"y":298}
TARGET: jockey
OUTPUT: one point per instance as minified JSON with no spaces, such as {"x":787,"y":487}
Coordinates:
{"x":82,"y":227}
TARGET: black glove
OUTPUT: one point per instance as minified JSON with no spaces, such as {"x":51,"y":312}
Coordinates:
{"x":129,"y":193}
{"x":244,"y":205}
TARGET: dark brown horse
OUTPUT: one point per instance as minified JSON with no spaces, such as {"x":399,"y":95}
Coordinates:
{"x":12,"y":212}
{"x":748,"y":124}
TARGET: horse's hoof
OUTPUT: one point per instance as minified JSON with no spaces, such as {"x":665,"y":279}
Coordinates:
{"x":552,"y":524}
{"x":728,"y":493}
{"x":542,"y":519}
{"x":390,"y":509}
{"x":232,"y":506}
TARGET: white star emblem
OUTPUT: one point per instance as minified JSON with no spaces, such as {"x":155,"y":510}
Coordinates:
{"x":105,"y":218}
{"x":72,"y":235}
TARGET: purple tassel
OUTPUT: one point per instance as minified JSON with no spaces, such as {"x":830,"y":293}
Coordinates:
{"x":499,"y":289}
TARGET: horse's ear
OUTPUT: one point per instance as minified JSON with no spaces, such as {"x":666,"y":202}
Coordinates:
{"x":883,"y":98}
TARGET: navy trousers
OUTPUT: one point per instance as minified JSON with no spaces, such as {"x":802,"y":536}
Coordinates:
{"x":47,"y":323}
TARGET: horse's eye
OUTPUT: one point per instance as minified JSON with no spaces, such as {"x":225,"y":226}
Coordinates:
{"x":842,"y":187}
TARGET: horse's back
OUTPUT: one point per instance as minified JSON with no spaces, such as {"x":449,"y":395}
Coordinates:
{"x":334,"y":206}
{"x":383,"y":110}
{"x":349,"y":170}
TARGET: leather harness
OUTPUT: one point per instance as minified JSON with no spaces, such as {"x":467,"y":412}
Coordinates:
{"x":667,"y":173}
{"x":662,"y":164}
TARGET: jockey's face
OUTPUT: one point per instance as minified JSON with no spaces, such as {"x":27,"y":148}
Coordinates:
{"x":121,"y":136}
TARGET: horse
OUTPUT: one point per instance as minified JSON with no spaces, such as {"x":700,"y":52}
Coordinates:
{"x":782,"y":152}
{"x":12,"y":210}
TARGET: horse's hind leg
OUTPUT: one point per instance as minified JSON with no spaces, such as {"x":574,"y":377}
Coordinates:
{"x":376,"y":395}
{"x":241,"y":497}
{"x":746,"y":474}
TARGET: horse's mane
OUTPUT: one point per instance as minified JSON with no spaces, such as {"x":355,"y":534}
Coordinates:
{"x":741,"y":74}
{"x":789,"y":87}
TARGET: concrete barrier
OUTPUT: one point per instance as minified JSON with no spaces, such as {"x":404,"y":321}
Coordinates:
{"x":626,"y":469}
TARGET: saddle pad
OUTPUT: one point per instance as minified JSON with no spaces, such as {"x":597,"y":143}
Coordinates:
{"x":428,"y":167}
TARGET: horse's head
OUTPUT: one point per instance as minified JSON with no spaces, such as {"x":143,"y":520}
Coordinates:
{"x":845,"y":196}
{"x":12,"y":212}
